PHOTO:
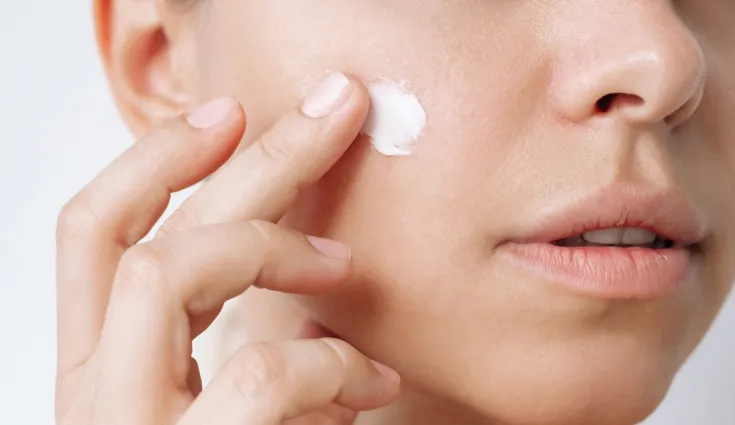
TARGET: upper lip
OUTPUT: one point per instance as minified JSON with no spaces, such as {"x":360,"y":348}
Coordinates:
{"x":667,"y":213}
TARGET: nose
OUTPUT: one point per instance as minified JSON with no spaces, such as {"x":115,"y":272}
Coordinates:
{"x":641,"y":66}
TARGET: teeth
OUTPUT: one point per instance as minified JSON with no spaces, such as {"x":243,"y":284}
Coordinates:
{"x":636,"y":236}
{"x":620,"y":236}
{"x":605,"y":236}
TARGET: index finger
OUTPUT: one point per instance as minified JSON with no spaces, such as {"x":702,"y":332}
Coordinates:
{"x":119,"y":207}
{"x":265,"y":178}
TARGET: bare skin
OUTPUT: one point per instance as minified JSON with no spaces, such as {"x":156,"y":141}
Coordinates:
{"x":532,"y":107}
{"x":154,"y":297}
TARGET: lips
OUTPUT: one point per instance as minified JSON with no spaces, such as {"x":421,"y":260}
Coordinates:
{"x":618,"y":243}
{"x":667,"y":214}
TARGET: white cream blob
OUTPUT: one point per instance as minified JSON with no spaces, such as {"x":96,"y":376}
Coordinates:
{"x":396,"y":118}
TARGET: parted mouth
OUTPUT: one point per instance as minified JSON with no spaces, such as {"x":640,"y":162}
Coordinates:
{"x":621,"y":237}
{"x":621,"y":217}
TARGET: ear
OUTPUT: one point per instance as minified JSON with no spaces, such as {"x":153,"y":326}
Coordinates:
{"x":144,"y":60}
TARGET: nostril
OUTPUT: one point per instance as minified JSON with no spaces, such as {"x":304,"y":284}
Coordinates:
{"x":609,"y":101}
{"x":605,"y":103}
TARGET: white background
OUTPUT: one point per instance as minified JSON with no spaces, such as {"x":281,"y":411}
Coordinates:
{"x":58,"y":128}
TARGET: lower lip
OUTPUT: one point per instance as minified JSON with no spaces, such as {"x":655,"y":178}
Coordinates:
{"x":605,"y":272}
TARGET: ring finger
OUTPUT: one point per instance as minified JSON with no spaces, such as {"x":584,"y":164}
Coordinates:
{"x":145,"y":347}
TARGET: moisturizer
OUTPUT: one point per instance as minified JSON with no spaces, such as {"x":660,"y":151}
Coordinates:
{"x":396,"y":118}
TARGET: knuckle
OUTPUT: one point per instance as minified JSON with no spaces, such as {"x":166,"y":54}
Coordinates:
{"x":150,"y":153}
{"x":278,"y":148}
{"x":142,"y":271}
{"x":258,"y":369}
{"x":76,"y":220}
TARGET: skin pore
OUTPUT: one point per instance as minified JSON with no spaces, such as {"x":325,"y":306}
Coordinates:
{"x":531,"y":105}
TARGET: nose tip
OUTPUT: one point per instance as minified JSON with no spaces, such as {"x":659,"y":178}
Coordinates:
{"x":642,"y":81}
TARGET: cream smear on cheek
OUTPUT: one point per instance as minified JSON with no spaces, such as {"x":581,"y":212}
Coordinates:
{"x":396,"y":118}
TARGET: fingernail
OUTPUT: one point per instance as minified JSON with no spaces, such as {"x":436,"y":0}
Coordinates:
{"x":211,"y":113}
{"x":330,"y":248}
{"x":387,"y":372}
{"x":328,"y":97}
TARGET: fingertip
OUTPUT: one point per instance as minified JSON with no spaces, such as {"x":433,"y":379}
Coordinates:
{"x":367,"y":384}
{"x":221,"y":116}
{"x":370,"y":399}
{"x":339,"y":94}
{"x":388,"y":387}
{"x":360,"y":96}
{"x":215,"y":130}
{"x":212,"y":113}
{"x":388,"y":373}
{"x":330,"y":247}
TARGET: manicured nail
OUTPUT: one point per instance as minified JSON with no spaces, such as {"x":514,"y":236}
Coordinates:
{"x":212,"y":113}
{"x":328,"y":97}
{"x":330,"y":248}
{"x":387,"y":372}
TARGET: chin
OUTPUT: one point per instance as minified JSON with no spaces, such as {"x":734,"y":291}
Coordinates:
{"x":575,"y":383}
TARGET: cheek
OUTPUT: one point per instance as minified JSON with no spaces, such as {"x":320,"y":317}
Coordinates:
{"x":460,"y":172}
{"x":412,"y":219}
{"x":458,"y":78}
{"x":423,"y":227}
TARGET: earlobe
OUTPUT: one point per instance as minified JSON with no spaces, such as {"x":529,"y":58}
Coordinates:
{"x":137,"y":55}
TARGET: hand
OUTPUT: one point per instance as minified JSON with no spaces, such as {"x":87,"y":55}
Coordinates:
{"x":128,"y":310}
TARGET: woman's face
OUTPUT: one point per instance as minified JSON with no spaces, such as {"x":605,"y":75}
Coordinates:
{"x":545,"y":119}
